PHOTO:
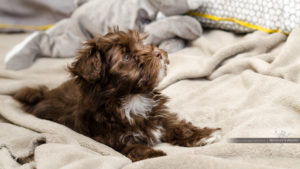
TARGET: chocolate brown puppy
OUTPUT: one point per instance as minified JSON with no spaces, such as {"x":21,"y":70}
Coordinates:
{"x":112,"y":98}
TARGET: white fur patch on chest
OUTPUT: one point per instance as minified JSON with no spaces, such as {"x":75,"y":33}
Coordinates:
{"x":138,"y":105}
{"x":157,"y":133}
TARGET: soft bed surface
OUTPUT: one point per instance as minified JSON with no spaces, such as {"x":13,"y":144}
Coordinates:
{"x":246,"y":84}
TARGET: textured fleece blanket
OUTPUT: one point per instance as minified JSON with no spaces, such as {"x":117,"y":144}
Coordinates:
{"x":246,"y":84}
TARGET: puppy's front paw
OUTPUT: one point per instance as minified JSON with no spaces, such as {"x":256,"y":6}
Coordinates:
{"x":215,"y":136}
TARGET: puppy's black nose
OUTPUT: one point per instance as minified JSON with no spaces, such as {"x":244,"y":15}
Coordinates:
{"x":158,"y":54}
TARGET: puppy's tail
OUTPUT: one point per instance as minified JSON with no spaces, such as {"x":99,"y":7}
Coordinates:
{"x":29,"y":97}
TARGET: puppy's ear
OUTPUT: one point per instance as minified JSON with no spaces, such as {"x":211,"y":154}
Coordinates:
{"x":89,"y":64}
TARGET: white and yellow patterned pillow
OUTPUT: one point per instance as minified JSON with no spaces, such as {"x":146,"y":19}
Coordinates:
{"x":248,"y":15}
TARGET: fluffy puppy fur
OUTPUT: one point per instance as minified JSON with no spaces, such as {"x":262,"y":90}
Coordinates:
{"x":111,"y":98}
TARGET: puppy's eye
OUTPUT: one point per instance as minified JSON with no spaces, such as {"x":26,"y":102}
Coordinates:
{"x":141,"y":65}
{"x":126,"y":58}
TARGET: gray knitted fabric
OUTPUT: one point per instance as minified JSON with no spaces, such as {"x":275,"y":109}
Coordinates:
{"x":93,"y":18}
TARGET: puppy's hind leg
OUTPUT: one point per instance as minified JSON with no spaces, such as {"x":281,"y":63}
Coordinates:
{"x":138,"y":152}
{"x":30,"y":96}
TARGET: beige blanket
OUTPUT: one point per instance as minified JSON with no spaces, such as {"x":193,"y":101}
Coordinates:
{"x":246,"y":84}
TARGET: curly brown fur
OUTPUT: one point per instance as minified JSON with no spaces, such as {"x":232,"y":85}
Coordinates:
{"x":111,"y":98}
